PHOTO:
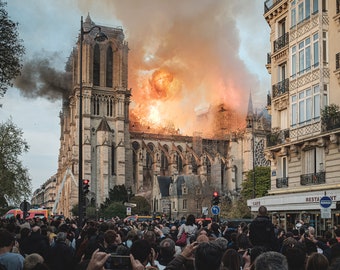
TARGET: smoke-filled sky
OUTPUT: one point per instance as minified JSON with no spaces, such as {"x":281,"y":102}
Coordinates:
{"x":186,"y":55}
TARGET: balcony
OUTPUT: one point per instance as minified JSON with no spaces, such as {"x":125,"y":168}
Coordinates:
{"x":331,"y":122}
{"x":313,"y":179}
{"x":269,"y":58}
{"x":281,"y":42}
{"x":337,"y":63}
{"x":276,"y":138}
{"x":280,"y":88}
{"x":282,"y":182}
{"x":330,"y":117}
{"x":269,"y":4}
{"x":269,"y":100}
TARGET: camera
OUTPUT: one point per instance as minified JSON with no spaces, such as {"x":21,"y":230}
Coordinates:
{"x":118,"y":262}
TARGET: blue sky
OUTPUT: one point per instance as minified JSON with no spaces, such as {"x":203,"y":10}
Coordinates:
{"x":50,"y":27}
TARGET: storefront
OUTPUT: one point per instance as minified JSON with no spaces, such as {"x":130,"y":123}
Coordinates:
{"x":290,"y":210}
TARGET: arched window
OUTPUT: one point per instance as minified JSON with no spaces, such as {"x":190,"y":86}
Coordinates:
{"x":109,"y":66}
{"x":109,"y":107}
{"x":96,"y":104}
{"x":96,"y":65}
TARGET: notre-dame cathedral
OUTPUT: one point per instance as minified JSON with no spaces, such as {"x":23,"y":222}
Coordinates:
{"x":173,"y":171}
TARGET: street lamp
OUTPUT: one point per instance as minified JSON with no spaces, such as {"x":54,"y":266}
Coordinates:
{"x":99,"y":38}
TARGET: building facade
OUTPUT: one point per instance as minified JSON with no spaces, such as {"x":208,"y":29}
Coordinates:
{"x":304,"y":144}
{"x":176,"y":173}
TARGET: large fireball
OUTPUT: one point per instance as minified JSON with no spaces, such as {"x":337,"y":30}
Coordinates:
{"x":163,"y":85}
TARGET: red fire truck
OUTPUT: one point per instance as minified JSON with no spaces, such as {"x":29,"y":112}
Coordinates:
{"x":32,"y":213}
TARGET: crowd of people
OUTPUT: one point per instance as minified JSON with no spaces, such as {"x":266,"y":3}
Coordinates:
{"x":162,"y":244}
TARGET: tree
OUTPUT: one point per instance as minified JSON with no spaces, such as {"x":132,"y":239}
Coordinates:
{"x":143,"y":206}
{"x":118,"y":193}
{"x":14,"y":180}
{"x":262,"y":183}
{"x":114,"y":209}
{"x":11,"y":50}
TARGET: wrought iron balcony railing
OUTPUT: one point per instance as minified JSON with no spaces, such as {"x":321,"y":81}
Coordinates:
{"x":281,"y":42}
{"x":269,"y":100}
{"x":280,"y":88}
{"x":269,"y":58}
{"x":282,"y":182}
{"x":269,"y":4}
{"x":313,"y":179}
{"x":276,"y":138}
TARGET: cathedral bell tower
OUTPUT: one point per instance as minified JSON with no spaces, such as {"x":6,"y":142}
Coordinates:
{"x":105,"y":118}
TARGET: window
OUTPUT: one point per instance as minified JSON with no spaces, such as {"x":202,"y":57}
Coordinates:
{"x":293,"y":61}
{"x":185,"y":204}
{"x":307,"y":9}
{"x":324,"y":5}
{"x":304,"y":10}
{"x":315,"y":6}
{"x":282,"y":27}
{"x":282,"y":72}
{"x":317,"y":105}
{"x":184,"y":189}
{"x":316,"y":50}
{"x":313,"y":160}
{"x":109,"y":66}
{"x":305,"y":106}
{"x":324,"y":49}
{"x":293,"y":17}
{"x":283,"y":119}
{"x":109,"y":106}
{"x":300,"y":12}
{"x":96,"y":65}
{"x":305,"y":55}
{"x":96,"y":105}
{"x":325,"y":95}
{"x":282,"y":167}
{"x":294,"y":110}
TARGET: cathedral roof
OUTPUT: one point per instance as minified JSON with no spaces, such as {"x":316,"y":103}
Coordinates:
{"x":104,"y":126}
{"x":164,"y":184}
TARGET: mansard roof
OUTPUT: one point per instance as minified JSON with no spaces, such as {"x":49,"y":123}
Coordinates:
{"x":104,"y":126}
{"x":190,"y":181}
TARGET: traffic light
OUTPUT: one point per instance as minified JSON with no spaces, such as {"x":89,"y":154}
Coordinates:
{"x":86,"y":186}
{"x":216,"y":198}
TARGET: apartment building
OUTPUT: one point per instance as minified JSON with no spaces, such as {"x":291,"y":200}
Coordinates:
{"x":304,"y":145}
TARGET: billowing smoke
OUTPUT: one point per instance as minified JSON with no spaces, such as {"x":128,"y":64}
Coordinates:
{"x":184,"y":60}
{"x":184,"y":56}
{"x":39,"y":78}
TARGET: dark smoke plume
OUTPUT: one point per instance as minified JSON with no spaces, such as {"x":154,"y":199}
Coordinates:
{"x":40,"y":79}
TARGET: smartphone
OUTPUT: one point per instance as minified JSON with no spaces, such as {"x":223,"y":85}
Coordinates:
{"x":118,"y":262}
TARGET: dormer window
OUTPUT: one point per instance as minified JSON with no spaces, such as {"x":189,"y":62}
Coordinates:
{"x":184,"y":189}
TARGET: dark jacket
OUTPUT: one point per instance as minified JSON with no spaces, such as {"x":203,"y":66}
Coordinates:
{"x":35,"y":243}
{"x":261,"y":233}
{"x":61,"y":256}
